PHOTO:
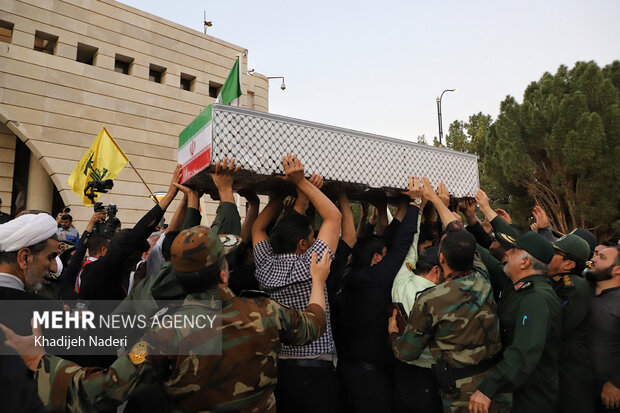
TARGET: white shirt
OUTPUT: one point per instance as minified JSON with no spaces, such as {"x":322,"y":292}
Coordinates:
{"x":11,"y":281}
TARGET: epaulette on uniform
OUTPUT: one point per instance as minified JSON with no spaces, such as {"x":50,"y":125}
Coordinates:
{"x":523,"y":285}
{"x":565,"y":279}
{"x":253,"y":294}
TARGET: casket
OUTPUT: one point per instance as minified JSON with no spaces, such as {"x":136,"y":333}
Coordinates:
{"x":365,"y":162}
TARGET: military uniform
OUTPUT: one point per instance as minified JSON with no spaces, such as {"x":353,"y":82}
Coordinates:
{"x":531,"y":321}
{"x":575,"y":370}
{"x":241,"y":379}
{"x":457,"y":321}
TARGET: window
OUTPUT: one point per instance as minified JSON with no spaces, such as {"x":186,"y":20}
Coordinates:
{"x":156,"y":73}
{"x":6,"y":31}
{"x":86,"y":54}
{"x":214,"y":89}
{"x":45,"y":42}
{"x":122,"y":64}
{"x":187,"y":82}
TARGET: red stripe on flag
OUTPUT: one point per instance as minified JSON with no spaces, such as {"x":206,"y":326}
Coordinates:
{"x":196,"y":164}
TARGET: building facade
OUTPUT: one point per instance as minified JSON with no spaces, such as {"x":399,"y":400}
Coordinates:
{"x":69,"y":67}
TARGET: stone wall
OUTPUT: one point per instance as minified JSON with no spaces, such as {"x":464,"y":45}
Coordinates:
{"x":57,"y":104}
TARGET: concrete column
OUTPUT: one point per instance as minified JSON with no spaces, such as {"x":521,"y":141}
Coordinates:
{"x":40,"y":187}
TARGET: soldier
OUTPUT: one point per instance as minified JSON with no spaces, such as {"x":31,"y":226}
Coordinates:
{"x":575,"y":372}
{"x":242,"y":378}
{"x":457,"y":321}
{"x":530,"y":317}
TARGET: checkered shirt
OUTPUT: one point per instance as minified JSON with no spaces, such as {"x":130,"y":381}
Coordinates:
{"x":286,"y":278}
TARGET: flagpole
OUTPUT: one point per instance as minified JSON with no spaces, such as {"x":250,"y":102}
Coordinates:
{"x":145,"y":184}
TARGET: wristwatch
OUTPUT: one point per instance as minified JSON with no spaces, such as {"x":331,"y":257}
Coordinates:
{"x":417,"y":201}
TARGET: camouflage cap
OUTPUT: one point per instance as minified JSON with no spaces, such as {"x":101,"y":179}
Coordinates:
{"x":533,"y":243}
{"x":574,"y":246}
{"x":196,"y":249}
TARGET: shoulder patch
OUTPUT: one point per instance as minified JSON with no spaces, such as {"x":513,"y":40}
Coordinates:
{"x":253,"y":294}
{"x":567,"y":281}
{"x":410,"y":266}
{"x":138,"y":352}
{"x":523,"y":285}
{"x":564,"y":280}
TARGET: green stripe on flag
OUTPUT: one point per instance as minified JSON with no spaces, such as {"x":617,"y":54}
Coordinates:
{"x":196,"y":125}
{"x":231,"y":89}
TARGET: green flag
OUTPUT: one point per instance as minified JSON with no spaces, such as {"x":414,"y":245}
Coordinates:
{"x":229,"y":95}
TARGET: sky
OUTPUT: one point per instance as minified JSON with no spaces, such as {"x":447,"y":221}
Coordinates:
{"x":378,"y":67}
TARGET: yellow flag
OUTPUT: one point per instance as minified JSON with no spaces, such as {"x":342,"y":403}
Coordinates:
{"x":103,"y":160}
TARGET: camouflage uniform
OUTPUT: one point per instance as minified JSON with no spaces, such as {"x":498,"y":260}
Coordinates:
{"x":241,"y":379}
{"x":457,"y":321}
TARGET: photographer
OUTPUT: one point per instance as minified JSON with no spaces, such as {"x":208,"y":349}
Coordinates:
{"x":101,"y":280}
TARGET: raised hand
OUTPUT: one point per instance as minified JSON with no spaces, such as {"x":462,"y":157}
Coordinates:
{"x":293,"y":169}
{"x":469,"y":210}
{"x":443,"y":194}
{"x":224,"y":173}
{"x":427,"y":190}
{"x":542,"y":220}
{"x":192,"y":195}
{"x":504,"y":215}
{"x":482,"y":199}
{"x":415,"y":189}
{"x":316,"y":180}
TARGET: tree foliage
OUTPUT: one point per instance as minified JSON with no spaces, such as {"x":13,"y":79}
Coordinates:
{"x":559,"y":148}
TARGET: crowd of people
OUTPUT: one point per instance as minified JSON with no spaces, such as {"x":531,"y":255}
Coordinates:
{"x":447,"y":306}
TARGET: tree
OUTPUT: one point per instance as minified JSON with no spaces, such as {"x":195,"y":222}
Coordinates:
{"x":471,"y":136}
{"x":560,"y":148}
{"x":456,"y":138}
{"x":422,"y":139}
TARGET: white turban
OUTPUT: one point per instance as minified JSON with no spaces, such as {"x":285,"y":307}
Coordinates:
{"x":26,"y":230}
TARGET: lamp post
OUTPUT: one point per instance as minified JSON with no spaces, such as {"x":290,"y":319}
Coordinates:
{"x":282,"y":86}
{"x":439,"y":112}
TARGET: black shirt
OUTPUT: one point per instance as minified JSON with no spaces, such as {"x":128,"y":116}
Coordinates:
{"x":366,"y":296}
{"x":606,"y":335}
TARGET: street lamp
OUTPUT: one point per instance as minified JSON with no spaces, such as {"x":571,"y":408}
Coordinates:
{"x":439,"y":112}
{"x":282,"y":86}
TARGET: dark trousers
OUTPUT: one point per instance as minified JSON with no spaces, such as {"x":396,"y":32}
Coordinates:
{"x":366,"y":389}
{"x":306,"y":386}
{"x":415,"y":390}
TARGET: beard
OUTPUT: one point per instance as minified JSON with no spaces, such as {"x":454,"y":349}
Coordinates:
{"x":600,"y":275}
{"x":33,"y":279}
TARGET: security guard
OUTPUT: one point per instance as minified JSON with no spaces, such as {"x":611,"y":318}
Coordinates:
{"x":575,"y":371}
{"x":530,"y":318}
{"x":241,"y":378}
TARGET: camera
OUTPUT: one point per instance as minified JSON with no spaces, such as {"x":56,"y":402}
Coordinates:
{"x":94,"y":187}
{"x":111,"y":222}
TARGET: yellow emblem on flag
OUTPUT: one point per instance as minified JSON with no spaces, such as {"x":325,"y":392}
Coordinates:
{"x":103,"y":160}
{"x":138,"y":352}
